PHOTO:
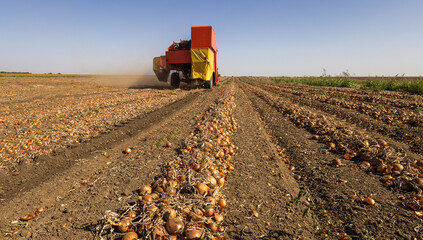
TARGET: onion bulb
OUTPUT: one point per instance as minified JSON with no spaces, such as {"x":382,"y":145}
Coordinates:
{"x":124,"y":225}
{"x":211,"y":181}
{"x":419,"y":182}
{"x":169,"y":214}
{"x":218,"y":217}
{"x":132,"y":215}
{"x":174,"y":226}
{"x":369,"y":201}
{"x":202,"y":188}
{"x":221,"y":181}
{"x":192,"y":234}
{"x":209,"y":211}
{"x":212,"y":226}
{"x":145,"y":189}
{"x":397,"y":167}
{"x":128,"y":150}
{"x":222,"y":203}
{"x":130,"y":236}
{"x":210,"y":201}
{"x":146,"y":199}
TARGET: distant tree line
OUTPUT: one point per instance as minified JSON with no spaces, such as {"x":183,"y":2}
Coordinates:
{"x":16,"y":72}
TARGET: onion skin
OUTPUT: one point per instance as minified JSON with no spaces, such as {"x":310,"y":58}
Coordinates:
{"x":202,"y":188}
{"x":209,"y":211}
{"x":212,"y":226}
{"x":124,"y":225}
{"x":397,"y":167}
{"x":169,"y":214}
{"x":218,"y":217}
{"x":210,"y":201}
{"x":174,"y":226}
{"x":130,"y":236}
{"x":145,"y":189}
{"x":222,"y":203}
{"x":419,"y":182}
{"x":193,"y":234}
{"x":369,"y":201}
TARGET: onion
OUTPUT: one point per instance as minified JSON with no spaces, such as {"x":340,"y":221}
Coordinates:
{"x":168,"y":144}
{"x":146,"y":199}
{"x":28,"y":217}
{"x":210,"y":201}
{"x":212,"y":226}
{"x":196,"y":167}
{"x":171,"y":191}
{"x":419,"y":182}
{"x":173,"y":183}
{"x":130,"y":236}
{"x":159,"y":190}
{"x":222,"y":203}
{"x":193,"y":234}
{"x":211,"y":181}
{"x":397,"y":167}
{"x":202,"y":188}
{"x":169,"y":214}
{"x":132,"y":215}
{"x":209,"y":211}
{"x":128,"y":150}
{"x":124,"y":225}
{"x":153,"y":208}
{"x":221,"y":181}
{"x":221,"y":229}
{"x":369,"y":201}
{"x":381,"y":168}
{"x":218,"y":217}
{"x":174,"y":226}
{"x":145,"y":189}
{"x":194,"y":217}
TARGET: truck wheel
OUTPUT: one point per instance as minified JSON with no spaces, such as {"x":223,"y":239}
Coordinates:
{"x":175,"y":81}
{"x":209,"y":84}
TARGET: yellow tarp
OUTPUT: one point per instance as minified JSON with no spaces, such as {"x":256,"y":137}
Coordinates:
{"x":202,"y":63}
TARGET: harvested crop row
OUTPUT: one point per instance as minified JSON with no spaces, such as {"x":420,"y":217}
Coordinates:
{"x":387,"y":115}
{"x":40,"y":127}
{"x":185,"y":198}
{"x":365,"y":97}
{"x":375,"y":155}
{"x":412,"y":136}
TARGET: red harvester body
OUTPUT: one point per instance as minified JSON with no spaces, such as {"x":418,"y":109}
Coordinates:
{"x":195,"y":58}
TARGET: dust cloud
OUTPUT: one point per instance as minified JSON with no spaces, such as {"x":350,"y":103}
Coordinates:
{"x":130,"y":81}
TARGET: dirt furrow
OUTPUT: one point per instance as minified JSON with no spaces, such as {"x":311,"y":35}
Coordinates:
{"x":337,"y":192}
{"x":411,"y":137}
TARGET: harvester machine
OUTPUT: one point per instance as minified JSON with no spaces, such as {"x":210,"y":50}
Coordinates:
{"x":194,"y":59}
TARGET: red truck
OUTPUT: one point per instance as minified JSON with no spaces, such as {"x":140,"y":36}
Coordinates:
{"x":195,"y":59}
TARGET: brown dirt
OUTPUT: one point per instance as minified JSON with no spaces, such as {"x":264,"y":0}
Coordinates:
{"x":280,"y":170}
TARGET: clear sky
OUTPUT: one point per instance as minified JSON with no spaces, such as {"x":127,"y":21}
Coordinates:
{"x":264,"y":38}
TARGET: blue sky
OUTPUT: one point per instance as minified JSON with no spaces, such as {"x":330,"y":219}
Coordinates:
{"x":264,"y":38}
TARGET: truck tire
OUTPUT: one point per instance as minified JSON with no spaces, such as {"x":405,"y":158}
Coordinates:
{"x":175,"y":81}
{"x":209,"y":84}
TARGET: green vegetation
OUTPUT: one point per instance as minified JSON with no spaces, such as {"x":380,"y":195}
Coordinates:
{"x":401,"y":84}
{"x":394,"y":84}
{"x":321,"y":81}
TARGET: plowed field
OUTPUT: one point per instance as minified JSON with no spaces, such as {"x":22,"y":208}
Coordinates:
{"x":250,"y":159}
